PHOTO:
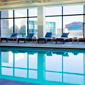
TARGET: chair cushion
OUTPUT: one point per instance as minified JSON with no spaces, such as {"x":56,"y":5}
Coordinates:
{"x":44,"y":38}
{"x":48,"y":34}
{"x":30,"y":35}
{"x":65,"y":35}
{"x":14,"y":34}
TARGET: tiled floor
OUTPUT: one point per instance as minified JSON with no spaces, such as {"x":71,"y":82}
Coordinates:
{"x":11,"y":82}
{"x":80,"y":45}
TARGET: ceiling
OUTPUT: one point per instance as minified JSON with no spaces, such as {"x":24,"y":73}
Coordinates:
{"x":15,"y":4}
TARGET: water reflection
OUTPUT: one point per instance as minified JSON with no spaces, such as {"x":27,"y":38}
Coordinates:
{"x":43,"y":67}
{"x":21,"y":60}
{"x":53,"y":76}
{"x":74,"y":79}
{"x":7,"y":71}
{"x":21,"y":73}
{"x":53,"y":63}
{"x":32,"y":74}
{"x":7,"y":58}
{"x":73,"y":63}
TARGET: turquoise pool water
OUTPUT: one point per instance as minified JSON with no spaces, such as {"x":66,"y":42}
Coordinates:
{"x":43,"y":66}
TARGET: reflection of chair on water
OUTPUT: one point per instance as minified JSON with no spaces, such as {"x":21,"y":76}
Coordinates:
{"x":62,"y":53}
{"x":75,"y":53}
{"x":49,"y":53}
{"x":15,"y":51}
{"x":31,"y":53}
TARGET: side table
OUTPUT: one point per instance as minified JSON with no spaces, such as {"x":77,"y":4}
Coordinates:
{"x":75,"y":39}
{"x":52,"y":39}
{"x":34,"y":39}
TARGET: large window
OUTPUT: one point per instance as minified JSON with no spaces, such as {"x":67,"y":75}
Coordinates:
{"x":21,"y":21}
{"x":65,"y":19}
{"x":53,"y":23}
{"x":73,"y":20}
{"x":58,"y":20}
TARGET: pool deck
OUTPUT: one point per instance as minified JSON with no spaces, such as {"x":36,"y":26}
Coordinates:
{"x":67,"y":45}
{"x":12,"y":82}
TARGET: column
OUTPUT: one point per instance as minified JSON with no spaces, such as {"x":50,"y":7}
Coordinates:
{"x":41,"y":21}
{"x":41,"y":67}
{"x":13,"y":64}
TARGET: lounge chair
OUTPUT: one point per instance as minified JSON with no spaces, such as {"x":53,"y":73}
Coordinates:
{"x":47,"y":37}
{"x":49,"y":53}
{"x":27,"y":38}
{"x":63,"y":38}
{"x":12,"y":37}
{"x":64,"y":54}
{"x":75,"y":53}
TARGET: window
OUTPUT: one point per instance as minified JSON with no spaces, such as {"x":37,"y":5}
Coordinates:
{"x":6,"y":27}
{"x":53,"y":11}
{"x":74,"y":22}
{"x":66,"y":19}
{"x":33,"y":26}
{"x":7,"y":14}
{"x":54,"y":25}
{"x":75,"y":9}
{"x":21,"y":27}
{"x":21,"y":13}
{"x":32,"y":12}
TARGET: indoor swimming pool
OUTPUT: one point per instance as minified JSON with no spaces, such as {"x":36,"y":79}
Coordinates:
{"x":43,"y":66}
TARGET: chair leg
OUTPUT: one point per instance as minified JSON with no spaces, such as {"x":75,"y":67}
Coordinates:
{"x":63,"y":42}
{"x":18,"y":41}
{"x":56,"y":41}
{"x":1,"y":40}
{"x":45,"y":41}
{"x":24,"y":41}
{"x":6,"y":40}
{"x":38,"y":41}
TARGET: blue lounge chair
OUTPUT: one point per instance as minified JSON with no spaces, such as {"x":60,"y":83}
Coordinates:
{"x":47,"y":37}
{"x":27,"y":38}
{"x":64,"y":54}
{"x":12,"y":37}
{"x":63,"y":38}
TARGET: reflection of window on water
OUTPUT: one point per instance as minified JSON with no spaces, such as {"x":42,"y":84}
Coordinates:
{"x":21,"y":60}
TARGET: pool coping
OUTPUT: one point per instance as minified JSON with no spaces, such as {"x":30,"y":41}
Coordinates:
{"x":74,"y":48}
